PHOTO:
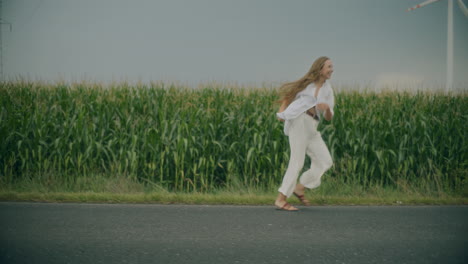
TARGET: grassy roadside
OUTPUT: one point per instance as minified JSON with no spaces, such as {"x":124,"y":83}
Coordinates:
{"x":229,"y":198}
{"x":102,"y":189}
{"x":221,"y":199}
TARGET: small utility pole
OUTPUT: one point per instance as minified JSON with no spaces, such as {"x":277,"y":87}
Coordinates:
{"x":2,"y":22}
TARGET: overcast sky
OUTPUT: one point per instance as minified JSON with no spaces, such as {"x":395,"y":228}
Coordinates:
{"x":243,"y":41}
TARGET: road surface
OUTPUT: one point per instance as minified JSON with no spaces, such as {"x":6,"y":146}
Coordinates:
{"x":148,"y":233}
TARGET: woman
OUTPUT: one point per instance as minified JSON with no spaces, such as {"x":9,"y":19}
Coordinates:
{"x":302,"y":103}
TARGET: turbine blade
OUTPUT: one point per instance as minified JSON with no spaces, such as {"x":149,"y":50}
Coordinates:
{"x":463,"y":7}
{"x":421,"y":5}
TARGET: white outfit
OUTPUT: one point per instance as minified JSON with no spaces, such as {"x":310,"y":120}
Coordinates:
{"x":305,"y":139}
{"x":305,"y":100}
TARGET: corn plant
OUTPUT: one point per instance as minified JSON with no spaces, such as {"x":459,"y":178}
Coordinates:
{"x":220,"y":136}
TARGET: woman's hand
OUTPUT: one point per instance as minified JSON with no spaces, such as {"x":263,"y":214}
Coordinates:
{"x":322,"y":107}
{"x":327,"y":114}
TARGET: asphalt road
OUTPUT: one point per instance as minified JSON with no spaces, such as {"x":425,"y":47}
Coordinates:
{"x":125,"y":233}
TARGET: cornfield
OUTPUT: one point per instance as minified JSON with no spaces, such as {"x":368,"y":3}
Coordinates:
{"x":213,"y":137}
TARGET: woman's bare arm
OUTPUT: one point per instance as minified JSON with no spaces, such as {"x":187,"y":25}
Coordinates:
{"x":283,"y":107}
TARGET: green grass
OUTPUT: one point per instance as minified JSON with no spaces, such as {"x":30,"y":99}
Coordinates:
{"x":229,"y":198}
{"x":101,"y":189}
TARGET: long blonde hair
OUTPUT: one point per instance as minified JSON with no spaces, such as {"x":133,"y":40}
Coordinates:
{"x":288,"y":91}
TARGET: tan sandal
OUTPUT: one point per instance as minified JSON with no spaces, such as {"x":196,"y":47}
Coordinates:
{"x":287,"y":207}
{"x":302,"y":198}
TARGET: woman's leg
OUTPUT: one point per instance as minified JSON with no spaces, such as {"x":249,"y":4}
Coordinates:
{"x":321,"y":162}
{"x":298,"y":145}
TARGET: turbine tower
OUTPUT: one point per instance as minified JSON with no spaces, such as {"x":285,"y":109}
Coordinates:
{"x":464,"y":9}
{"x":2,"y":22}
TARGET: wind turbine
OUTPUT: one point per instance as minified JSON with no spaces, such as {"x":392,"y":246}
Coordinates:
{"x":463,"y":8}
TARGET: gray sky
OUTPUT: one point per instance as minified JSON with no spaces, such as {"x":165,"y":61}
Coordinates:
{"x":243,"y":41}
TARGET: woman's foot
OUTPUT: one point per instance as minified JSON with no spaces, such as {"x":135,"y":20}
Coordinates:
{"x":299,"y":193}
{"x":281,"y":203}
{"x":285,"y":206}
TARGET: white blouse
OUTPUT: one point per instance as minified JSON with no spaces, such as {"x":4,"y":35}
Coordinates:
{"x":305,"y":100}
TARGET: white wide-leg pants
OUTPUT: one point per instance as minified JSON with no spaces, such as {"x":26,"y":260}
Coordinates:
{"x":305,"y":139}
